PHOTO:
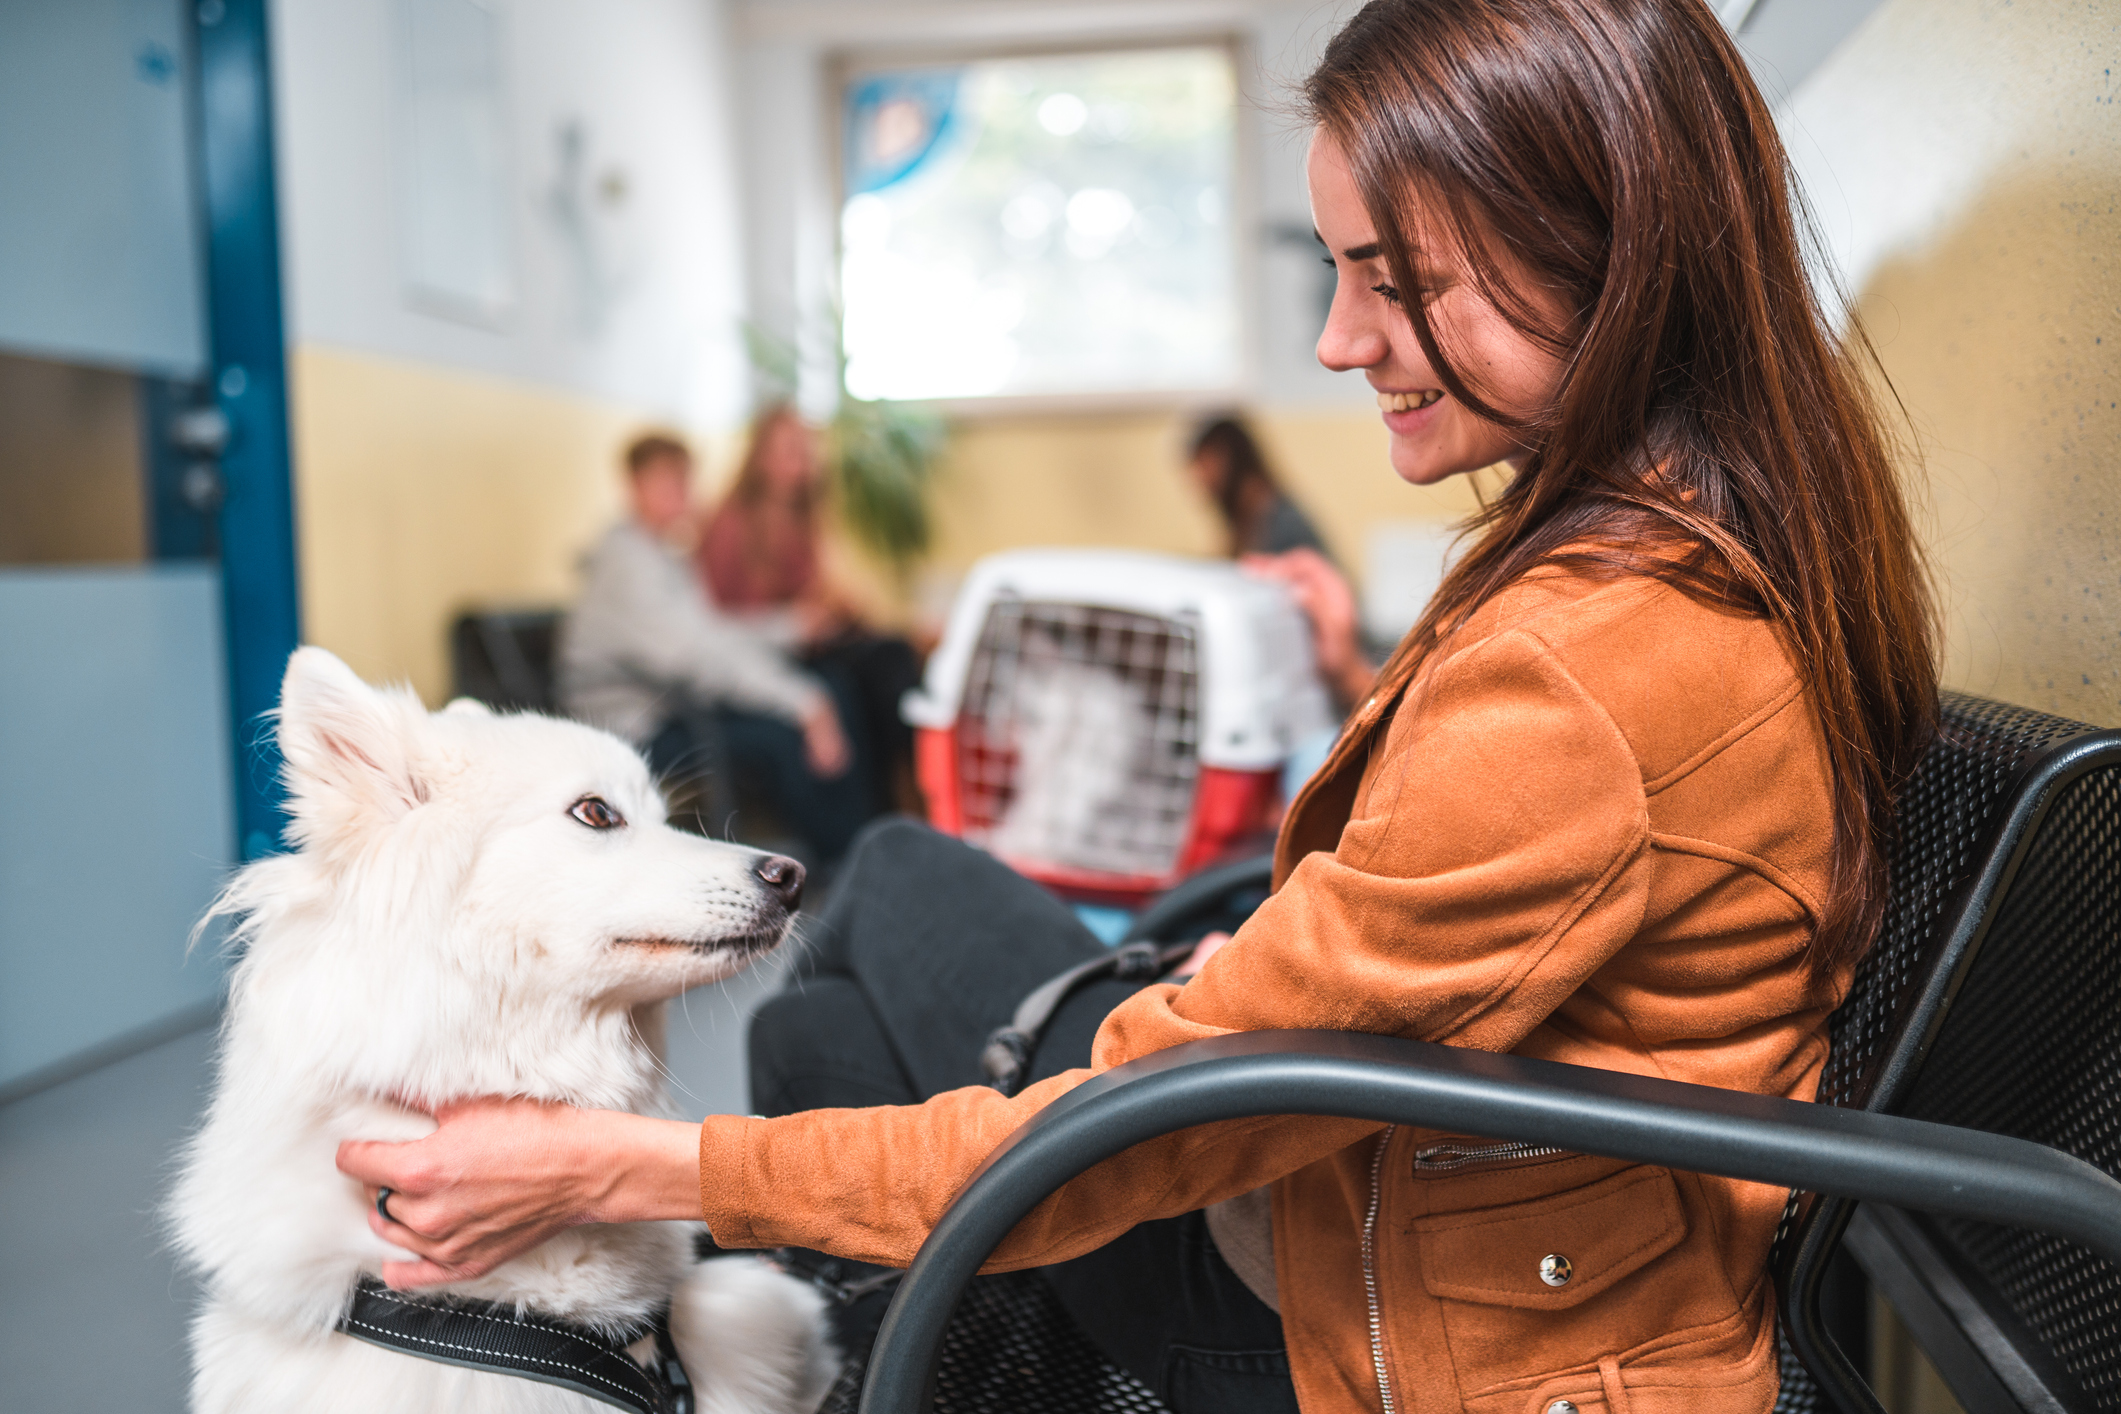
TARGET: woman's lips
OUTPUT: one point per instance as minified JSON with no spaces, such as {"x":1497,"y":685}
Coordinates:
{"x":1404,"y":412}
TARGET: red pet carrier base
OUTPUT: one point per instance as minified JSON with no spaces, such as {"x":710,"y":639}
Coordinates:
{"x":1109,"y":722}
{"x":1230,"y":810}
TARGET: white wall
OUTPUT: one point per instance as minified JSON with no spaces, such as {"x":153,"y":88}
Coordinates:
{"x":1964,"y":157}
{"x":648,"y":82}
{"x":99,"y":256}
{"x":788,"y":47}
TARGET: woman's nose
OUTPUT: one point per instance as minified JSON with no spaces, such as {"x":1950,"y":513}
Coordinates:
{"x":784,"y":876}
{"x":1349,"y":340}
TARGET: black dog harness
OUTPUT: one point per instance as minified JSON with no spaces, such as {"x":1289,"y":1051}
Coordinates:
{"x":482,"y":1335}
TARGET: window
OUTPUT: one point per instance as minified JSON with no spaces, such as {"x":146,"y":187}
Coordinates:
{"x":1047,"y":224}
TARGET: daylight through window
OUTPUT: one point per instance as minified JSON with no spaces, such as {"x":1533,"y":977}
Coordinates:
{"x":1048,"y":224}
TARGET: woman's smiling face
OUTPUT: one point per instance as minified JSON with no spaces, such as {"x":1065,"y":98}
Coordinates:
{"x":1434,"y":436}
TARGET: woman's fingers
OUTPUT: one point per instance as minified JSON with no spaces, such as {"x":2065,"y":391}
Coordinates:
{"x":381,"y":1164}
{"x":1209,"y":945}
{"x":824,"y":744}
{"x":403,"y":1276}
{"x":459,"y":1258}
{"x":498,"y":1177}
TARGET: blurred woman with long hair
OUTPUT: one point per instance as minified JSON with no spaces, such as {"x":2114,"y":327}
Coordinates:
{"x":1620,"y":799}
{"x":759,"y":558}
{"x":1225,"y":461}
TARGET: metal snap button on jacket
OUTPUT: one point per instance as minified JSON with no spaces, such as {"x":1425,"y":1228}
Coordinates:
{"x":1562,"y":1406}
{"x":1554,"y":1270}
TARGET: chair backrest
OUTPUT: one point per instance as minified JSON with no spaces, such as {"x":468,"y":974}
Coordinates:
{"x":505,"y":659}
{"x":2004,"y":880}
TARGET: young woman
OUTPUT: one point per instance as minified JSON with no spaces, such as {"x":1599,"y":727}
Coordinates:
{"x":758,"y":559}
{"x":1619,"y":800}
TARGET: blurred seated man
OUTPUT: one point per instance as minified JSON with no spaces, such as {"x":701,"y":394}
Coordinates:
{"x":760,"y":560}
{"x":646,"y":656}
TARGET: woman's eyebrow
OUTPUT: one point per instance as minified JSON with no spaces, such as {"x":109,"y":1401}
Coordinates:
{"x":1356,"y":253}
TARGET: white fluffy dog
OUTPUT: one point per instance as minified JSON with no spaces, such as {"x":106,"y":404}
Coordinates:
{"x":461,"y":918}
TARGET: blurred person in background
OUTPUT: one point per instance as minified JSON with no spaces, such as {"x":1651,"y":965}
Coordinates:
{"x":646,"y":655}
{"x":758,"y":559}
{"x":1257,"y":515}
{"x":1271,"y":536}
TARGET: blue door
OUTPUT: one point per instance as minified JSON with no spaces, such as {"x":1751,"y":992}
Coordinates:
{"x":147,"y":576}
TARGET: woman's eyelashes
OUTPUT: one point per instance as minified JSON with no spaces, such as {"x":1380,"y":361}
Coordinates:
{"x":1390,"y":292}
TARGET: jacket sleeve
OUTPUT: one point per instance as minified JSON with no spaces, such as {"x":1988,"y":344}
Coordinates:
{"x":676,"y":638}
{"x":1495,"y":861}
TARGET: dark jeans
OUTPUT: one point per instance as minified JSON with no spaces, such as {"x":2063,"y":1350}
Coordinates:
{"x":925,"y":947}
{"x":762,"y":757}
{"x":880,"y":669}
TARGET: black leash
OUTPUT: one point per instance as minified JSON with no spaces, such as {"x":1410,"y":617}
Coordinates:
{"x":482,"y":1335}
{"x":1138,"y":958}
{"x":1007,"y":1057}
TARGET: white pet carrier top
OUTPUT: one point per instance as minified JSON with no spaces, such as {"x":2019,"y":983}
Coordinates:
{"x":1108,"y":720}
{"x":1259,"y":690}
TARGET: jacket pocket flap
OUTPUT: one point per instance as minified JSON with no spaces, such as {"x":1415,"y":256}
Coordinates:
{"x":1552,"y":1253}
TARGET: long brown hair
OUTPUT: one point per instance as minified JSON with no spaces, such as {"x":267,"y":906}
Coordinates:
{"x":751,"y":484}
{"x":1246,"y":477}
{"x":1709,"y":426}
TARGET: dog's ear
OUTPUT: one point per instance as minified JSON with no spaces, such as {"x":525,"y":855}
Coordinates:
{"x":467,"y":707}
{"x":349,"y":748}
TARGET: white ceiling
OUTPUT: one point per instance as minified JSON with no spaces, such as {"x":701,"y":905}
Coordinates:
{"x":1785,"y":39}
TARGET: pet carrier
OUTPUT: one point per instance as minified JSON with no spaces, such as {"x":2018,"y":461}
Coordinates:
{"x":1109,"y":721}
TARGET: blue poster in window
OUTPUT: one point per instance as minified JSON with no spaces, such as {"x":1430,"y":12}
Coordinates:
{"x":896,"y":122}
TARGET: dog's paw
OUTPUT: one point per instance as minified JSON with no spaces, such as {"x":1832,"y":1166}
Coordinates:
{"x":753,"y":1338}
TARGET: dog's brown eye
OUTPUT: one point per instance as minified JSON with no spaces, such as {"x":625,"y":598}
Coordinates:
{"x":596,"y":812}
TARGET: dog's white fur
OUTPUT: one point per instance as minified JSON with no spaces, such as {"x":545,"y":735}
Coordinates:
{"x":445,"y":929}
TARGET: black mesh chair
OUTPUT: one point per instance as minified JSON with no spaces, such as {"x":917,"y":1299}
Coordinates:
{"x":1964,"y":1151}
{"x":505,"y":659}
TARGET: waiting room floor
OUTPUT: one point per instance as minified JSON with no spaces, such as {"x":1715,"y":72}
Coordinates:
{"x":92,"y":1305}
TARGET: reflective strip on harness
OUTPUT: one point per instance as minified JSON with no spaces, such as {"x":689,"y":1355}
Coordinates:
{"x":481,"y":1335}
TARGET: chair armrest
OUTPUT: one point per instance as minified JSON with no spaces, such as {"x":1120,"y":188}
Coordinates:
{"x":1815,"y":1148}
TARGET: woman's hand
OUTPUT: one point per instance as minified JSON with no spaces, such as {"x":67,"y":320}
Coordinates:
{"x":1209,"y":945}
{"x":825,"y":612}
{"x":497,"y":1177}
{"x":825,"y":746}
{"x":1322,"y":592}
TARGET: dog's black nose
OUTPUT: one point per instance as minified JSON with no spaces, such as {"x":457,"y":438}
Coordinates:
{"x":784,"y":876}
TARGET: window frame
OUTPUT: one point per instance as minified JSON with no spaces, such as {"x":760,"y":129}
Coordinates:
{"x":844,"y":67}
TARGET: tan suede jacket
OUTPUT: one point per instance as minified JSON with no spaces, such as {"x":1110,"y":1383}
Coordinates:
{"x":1594,"y":828}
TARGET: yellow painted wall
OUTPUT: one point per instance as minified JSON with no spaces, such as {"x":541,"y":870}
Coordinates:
{"x":420,"y":491}
{"x":1997,"y":313}
{"x":1120,"y":480}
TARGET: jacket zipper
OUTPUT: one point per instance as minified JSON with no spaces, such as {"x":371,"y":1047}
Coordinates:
{"x":1369,"y":1273}
{"x":1450,"y":1157}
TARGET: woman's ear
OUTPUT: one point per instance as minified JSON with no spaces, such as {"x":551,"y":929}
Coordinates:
{"x":349,"y":749}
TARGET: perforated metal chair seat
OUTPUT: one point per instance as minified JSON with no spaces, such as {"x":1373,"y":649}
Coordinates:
{"x":1991,"y":1001}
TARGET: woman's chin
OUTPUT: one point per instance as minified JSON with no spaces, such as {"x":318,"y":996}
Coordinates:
{"x":1422,"y":466}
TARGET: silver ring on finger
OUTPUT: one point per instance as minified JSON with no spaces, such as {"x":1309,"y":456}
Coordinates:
{"x":383,"y":1205}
